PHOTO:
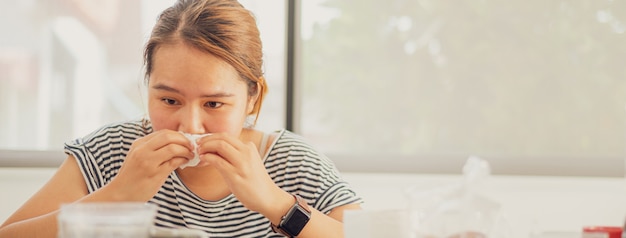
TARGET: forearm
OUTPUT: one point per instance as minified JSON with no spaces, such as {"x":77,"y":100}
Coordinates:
{"x":34,"y":224}
{"x":322,"y":225}
{"x":41,"y":226}
{"x":319,"y":224}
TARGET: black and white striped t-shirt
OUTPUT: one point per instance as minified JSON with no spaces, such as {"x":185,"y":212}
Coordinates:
{"x":292,"y":163}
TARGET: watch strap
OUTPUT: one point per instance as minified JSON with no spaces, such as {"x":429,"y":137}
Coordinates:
{"x":294,"y":220}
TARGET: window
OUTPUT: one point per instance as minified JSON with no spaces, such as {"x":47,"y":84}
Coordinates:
{"x":534,"y":87}
{"x":69,"y":67}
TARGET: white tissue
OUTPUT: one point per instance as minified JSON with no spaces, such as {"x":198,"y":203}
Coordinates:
{"x":196,"y":159}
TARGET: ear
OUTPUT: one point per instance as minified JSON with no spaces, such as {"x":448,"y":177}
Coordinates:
{"x":252,"y":100}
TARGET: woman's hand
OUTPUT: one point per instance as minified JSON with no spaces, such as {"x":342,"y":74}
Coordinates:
{"x":242,"y":168}
{"x":148,"y":163}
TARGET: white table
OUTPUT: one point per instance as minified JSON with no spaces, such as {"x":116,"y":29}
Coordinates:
{"x":530,"y":203}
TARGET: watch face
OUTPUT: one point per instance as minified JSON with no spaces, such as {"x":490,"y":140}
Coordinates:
{"x":296,"y":221}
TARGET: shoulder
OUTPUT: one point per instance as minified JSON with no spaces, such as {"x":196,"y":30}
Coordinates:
{"x":289,"y":147}
{"x":289,"y":137}
{"x":285,"y":140}
{"x":124,"y":132}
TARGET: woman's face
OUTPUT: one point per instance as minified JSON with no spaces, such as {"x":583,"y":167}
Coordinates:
{"x":195,"y":92}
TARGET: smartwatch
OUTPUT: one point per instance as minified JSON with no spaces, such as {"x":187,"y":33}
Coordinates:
{"x":294,"y":221}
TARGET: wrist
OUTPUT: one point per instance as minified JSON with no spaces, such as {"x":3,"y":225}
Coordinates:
{"x":294,"y":221}
{"x":116,"y":191}
{"x":279,"y":206}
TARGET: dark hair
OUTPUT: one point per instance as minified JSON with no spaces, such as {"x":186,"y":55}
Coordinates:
{"x":223,"y":28}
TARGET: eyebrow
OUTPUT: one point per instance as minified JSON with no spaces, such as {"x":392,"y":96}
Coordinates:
{"x":164,"y":87}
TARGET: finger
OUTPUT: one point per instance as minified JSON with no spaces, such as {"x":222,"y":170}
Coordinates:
{"x":222,"y":165}
{"x":165,"y":137}
{"x":235,"y":142}
{"x":169,"y":144}
{"x":173,"y":163}
{"x":168,"y":152}
{"x":233,"y":150}
{"x":221,"y":148}
{"x":156,"y":139}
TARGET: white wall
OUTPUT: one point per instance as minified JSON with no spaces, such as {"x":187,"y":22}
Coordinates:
{"x":530,"y":204}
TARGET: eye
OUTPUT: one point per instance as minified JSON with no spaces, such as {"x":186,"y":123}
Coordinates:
{"x":214,"y":104}
{"x":169,"y":101}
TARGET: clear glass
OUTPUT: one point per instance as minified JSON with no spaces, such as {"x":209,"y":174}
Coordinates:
{"x":527,"y":81}
{"x":106,"y":220}
{"x":69,"y":67}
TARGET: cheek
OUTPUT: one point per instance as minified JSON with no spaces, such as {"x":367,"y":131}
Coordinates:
{"x":159,"y":123}
{"x":160,"y":120}
{"x":231,"y":124}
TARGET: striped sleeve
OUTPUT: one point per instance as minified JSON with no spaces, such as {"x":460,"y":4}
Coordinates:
{"x":101,"y":153}
{"x":86,"y":163}
{"x":298,"y":168}
{"x":334,"y":192}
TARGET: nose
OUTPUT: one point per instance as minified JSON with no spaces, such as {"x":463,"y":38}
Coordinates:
{"x":192,"y":121}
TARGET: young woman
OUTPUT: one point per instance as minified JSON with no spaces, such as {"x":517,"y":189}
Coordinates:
{"x":203,"y":72}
